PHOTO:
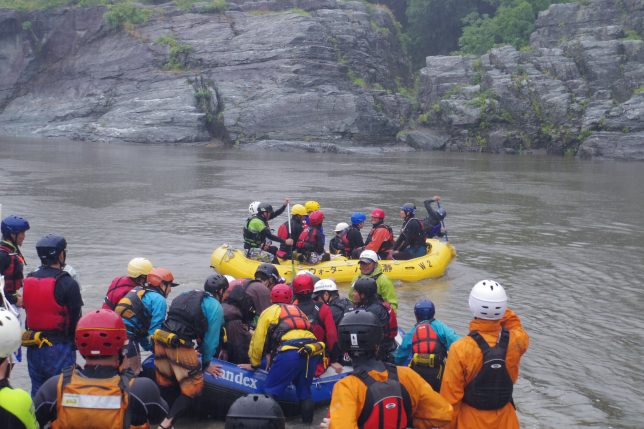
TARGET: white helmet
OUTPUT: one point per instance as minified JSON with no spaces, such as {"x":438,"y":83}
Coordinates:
{"x":341,"y":226}
{"x":488,"y":300}
{"x":229,"y":278}
{"x":368,"y":256}
{"x":325,"y":285}
{"x":252,"y":208}
{"x":10,"y":333}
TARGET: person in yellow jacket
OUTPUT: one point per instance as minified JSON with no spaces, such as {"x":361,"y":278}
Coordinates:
{"x":284,"y":331}
{"x":481,"y":393}
{"x":16,"y":407}
{"x":379,"y":395}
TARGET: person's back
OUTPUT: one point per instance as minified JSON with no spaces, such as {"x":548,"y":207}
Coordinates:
{"x":137,"y":271}
{"x":482,"y":393}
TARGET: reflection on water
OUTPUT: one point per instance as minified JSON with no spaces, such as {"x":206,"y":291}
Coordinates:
{"x":563,"y":236}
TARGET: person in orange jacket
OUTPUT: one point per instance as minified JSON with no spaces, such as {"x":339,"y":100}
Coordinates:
{"x":481,"y":394}
{"x":376,"y":394}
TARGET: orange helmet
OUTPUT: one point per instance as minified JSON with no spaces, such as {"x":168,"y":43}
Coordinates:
{"x":161,"y":276}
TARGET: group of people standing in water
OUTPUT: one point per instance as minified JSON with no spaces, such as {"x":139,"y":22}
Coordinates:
{"x":302,"y":235}
{"x":294,"y":330}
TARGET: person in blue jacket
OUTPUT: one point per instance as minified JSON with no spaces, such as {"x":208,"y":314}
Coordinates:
{"x":143,"y":310}
{"x":424,"y":348}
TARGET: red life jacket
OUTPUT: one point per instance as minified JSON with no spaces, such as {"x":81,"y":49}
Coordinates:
{"x":291,"y":317}
{"x":308,"y":239}
{"x":282,"y":231}
{"x":425,"y":341}
{"x":388,"y":243}
{"x":43,"y":312}
{"x":119,"y":287}
{"x":387,"y":403}
{"x":391,"y":330}
{"x":13,"y":279}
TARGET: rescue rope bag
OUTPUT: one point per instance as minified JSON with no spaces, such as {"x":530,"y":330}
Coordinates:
{"x":387,"y":403}
{"x":491,"y":388}
{"x":92,"y":403}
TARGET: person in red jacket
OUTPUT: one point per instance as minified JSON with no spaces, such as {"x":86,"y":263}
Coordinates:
{"x":137,"y":275}
{"x":320,"y":316}
{"x":381,"y":236}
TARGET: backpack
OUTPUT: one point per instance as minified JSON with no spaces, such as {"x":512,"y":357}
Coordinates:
{"x":387,"y":403}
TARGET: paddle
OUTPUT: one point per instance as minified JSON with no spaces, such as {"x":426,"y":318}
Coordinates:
{"x":288,"y":210}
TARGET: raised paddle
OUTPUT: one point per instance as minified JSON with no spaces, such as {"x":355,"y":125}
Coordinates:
{"x":288,"y":210}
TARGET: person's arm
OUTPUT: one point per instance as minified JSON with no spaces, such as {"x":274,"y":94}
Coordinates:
{"x":215,"y":316}
{"x":330,"y":329}
{"x":70,"y":296}
{"x":387,"y":291}
{"x":429,"y":408}
{"x":454,"y":376}
{"x":278,"y":212}
{"x":158,"y":308}
{"x":266,"y":233}
{"x":403,"y":353}
{"x":446,"y":334}
{"x":379,"y":236}
{"x":346,"y":405}
{"x":45,"y":401}
{"x":259,"y":336}
{"x":260,"y":295}
{"x":146,"y":404}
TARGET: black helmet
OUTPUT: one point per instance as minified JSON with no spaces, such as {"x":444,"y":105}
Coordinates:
{"x":367,"y":286}
{"x":268,"y":271}
{"x":215,"y":283}
{"x":49,"y":247}
{"x":359,"y":331}
{"x":265,"y":208}
{"x":255,"y":411}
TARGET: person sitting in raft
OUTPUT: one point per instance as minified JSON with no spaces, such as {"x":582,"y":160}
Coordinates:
{"x":411,"y":241}
{"x":284,"y":332}
{"x":434,"y":221}
{"x":378,"y":395}
{"x":381,"y":236}
{"x":258,"y":235}
{"x":297,"y":226}
{"x":338,"y":244}
{"x":355,"y":242}
{"x":369,"y":267}
{"x":311,"y":241}
{"x":310,"y":206}
{"x":424,"y":347}
{"x":99,"y":395}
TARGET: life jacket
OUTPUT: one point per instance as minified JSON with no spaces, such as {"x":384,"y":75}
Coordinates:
{"x":391,"y":330}
{"x":119,"y":287}
{"x":253,"y":239}
{"x":91,"y":403}
{"x":13,"y":277}
{"x":429,"y":355}
{"x":387,"y":403}
{"x":339,"y":306}
{"x":387,"y":244}
{"x":291,"y":317}
{"x":131,"y":306}
{"x":491,"y":388}
{"x":43,"y":312}
{"x":308,"y":240}
{"x":312,"y":311}
{"x":185,"y":317}
{"x":429,"y":229}
{"x":417,"y":239}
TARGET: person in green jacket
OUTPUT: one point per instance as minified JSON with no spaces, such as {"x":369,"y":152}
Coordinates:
{"x":369,"y":267}
{"x":258,"y":235}
{"x":16,"y":406}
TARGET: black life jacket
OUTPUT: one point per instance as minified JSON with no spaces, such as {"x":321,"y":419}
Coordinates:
{"x":491,"y":388}
{"x":312,"y":311}
{"x":418,"y":238}
{"x":387,"y":403}
{"x":386,"y":245}
{"x":13,"y":274}
{"x":339,"y":306}
{"x":185,"y":317}
{"x":131,"y":305}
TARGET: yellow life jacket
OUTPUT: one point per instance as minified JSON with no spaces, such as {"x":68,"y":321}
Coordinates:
{"x":91,"y":403}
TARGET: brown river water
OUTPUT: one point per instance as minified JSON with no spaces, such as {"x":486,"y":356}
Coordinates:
{"x":565,"y":237}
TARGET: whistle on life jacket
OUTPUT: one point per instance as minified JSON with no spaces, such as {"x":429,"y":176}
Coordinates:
{"x":35,"y":338}
{"x":168,"y":338}
{"x":424,"y":359}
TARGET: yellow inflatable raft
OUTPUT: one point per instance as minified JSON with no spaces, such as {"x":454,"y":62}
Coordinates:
{"x":234,"y":262}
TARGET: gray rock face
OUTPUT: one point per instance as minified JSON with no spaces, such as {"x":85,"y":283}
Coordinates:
{"x":583,"y":78}
{"x":259,"y":71}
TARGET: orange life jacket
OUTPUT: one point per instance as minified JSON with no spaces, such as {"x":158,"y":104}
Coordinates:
{"x":91,"y":403}
{"x":291,"y":317}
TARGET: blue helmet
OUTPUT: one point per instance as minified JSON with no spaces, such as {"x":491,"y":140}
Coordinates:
{"x":424,"y":310}
{"x":358,"y":217}
{"x":14,"y":225}
{"x":409,"y":209}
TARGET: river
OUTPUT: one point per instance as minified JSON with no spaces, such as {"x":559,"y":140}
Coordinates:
{"x":565,"y":237}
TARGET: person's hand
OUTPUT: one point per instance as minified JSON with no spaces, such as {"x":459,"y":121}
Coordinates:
{"x":436,"y":198}
{"x":325,"y":422}
{"x":288,"y":241}
{"x":214,"y":369}
{"x":286,"y":201}
{"x":246,"y":366}
{"x":337,"y":367}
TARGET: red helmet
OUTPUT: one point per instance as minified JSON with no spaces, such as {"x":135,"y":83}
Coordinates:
{"x":281,"y":294}
{"x":379,"y":213}
{"x":316,"y":218}
{"x":303,"y":284}
{"x":100,"y":333}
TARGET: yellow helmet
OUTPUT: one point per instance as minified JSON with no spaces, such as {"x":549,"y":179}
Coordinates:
{"x":299,"y":209}
{"x":312,"y":206}
{"x":139,"y":267}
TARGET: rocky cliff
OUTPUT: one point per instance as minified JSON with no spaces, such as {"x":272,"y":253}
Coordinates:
{"x":579,"y":89}
{"x":323,"y":75}
{"x":265,"y":70}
